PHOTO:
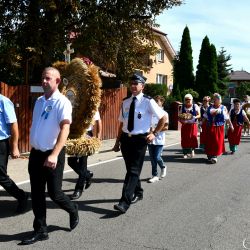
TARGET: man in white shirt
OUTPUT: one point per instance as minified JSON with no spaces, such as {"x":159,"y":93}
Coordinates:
{"x":49,"y":132}
{"x":133,"y":136}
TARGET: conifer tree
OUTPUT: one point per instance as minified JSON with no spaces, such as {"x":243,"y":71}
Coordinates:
{"x":213,"y":76}
{"x":224,"y":69}
{"x":176,"y":74}
{"x":203,"y":83}
{"x":185,"y":71}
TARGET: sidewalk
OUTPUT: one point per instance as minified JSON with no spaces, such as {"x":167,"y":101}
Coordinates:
{"x":18,"y":168}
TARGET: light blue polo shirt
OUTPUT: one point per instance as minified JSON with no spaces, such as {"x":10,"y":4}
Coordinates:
{"x":7,"y":116}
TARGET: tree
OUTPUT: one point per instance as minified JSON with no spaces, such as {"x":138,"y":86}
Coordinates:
{"x":176,"y":73}
{"x":243,"y":89}
{"x":192,"y":92}
{"x":213,"y":76}
{"x":186,"y":77}
{"x":224,"y":69}
{"x":206,"y":74}
{"x":114,"y":34}
{"x":183,"y":67}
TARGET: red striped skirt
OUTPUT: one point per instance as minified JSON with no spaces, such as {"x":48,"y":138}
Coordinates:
{"x":215,"y":144}
{"x":234,"y":137}
{"x":189,"y":134}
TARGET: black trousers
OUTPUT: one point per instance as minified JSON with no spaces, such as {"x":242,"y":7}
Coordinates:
{"x":79,"y":165}
{"x":133,"y":151}
{"x":5,"y":181}
{"x":39,"y":177}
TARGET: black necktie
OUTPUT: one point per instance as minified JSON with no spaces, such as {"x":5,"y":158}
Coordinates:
{"x":131,"y":115}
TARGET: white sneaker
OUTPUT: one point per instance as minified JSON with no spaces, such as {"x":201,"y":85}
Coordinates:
{"x":163,"y":172}
{"x":153,"y":179}
{"x":192,"y":154}
{"x":245,"y":134}
{"x":185,"y":156}
{"x":214,"y":160}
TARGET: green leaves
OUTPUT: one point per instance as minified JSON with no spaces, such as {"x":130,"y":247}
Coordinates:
{"x":114,"y":34}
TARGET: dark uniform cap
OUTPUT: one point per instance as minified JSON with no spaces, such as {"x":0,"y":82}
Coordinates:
{"x":138,"y":78}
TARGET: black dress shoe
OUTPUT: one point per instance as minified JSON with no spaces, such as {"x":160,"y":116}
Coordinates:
{"x":76,"y":195}
{"x":89,"y":179}
{"x":37,"y":236}
{"x":136,"y":198}
{"x":22,"y":205}
{"x":74,"y":218}
{"x":121,"y":207}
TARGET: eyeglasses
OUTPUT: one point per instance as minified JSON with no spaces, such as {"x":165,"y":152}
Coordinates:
{"x":187,"y":99}
{"x":205,"y":100}
{"x":133,"y":83}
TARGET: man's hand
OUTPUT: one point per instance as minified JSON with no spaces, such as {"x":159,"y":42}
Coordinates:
{"x":51,"y":161}
{"x":116,"y":147}
{"x":150,"y":137}
{"x":15,"y":153}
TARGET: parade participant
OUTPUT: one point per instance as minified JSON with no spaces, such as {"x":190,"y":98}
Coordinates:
{"x":9,"y":145}
{"x":79,"y":164}
{"x":49,"y":131}
{"x":237,"y":116}
{"x":216,"y":117}
{"x":203,"y":123}
{"x":189,"y":128}
{"x":246,"y":107}
{"x":133,"y":136}
{"x":155,"y":148}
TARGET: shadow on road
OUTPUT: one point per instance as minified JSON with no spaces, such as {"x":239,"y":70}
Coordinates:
{"x":21,"y":236}
{"x":96,"y":180}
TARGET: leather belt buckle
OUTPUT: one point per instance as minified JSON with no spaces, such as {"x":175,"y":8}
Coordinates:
{"x":129,"y":135}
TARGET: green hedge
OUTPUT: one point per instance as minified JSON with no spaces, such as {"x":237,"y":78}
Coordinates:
{"x":155,"y":89}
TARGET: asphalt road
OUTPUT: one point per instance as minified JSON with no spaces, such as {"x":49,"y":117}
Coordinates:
{"x":197,"y":206}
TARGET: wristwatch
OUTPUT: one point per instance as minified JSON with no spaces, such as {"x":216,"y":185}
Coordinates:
{"x":155,"y":133}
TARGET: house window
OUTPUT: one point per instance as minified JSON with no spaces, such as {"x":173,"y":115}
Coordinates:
{"x":160,"y":55}
{"x":161,"y":79}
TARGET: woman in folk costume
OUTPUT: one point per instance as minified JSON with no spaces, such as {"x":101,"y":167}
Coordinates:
{"x":246,"y":108}
{"x":238,"y":116}
{"x":216,"y":116}
{"x":203,"y":122}
{"x":189,"y":114}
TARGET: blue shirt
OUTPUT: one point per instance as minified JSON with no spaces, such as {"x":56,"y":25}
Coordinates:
{"x":7,"y":116}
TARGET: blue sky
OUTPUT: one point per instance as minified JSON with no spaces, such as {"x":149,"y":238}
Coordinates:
{"x":225,"y":22}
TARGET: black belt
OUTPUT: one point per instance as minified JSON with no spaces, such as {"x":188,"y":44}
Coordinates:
{"x":4,"y":140}
{"x":132,"y":135}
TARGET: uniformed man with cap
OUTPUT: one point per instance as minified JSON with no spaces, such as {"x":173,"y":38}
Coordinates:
{"x":133,"y":135}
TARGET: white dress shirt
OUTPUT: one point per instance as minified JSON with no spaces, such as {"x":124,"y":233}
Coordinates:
{"x":145,"y":107}
{"x":47,"y":116}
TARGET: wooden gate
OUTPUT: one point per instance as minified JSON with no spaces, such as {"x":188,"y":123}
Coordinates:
{"x":23,"y":101}
{"x":109,"y":111}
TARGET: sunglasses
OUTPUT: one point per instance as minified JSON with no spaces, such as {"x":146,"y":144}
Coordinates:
{"x":134,"y":83}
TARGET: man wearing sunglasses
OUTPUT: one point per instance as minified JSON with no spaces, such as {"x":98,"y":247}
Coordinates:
{"x":133,"y":136}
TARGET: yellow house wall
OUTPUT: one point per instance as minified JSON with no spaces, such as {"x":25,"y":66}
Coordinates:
{"x":163,"y":68}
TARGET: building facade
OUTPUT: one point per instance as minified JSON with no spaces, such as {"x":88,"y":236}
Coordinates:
{"x":161,"y":66}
